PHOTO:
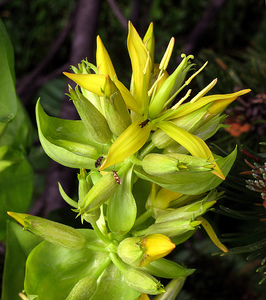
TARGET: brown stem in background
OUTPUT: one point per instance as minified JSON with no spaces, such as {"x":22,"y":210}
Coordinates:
{"x":36,"y":78}
{"x":117,"y":12}
{"x":201,"y":27}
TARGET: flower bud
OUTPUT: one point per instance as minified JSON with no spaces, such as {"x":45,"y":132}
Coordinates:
{"x":187,"y":212}
{"x":83,"y":289}
{"x":92,"y":118}
{"x":139,"y":252}
{"x":156,"y":246}
{"x":159,"y":164}
{"x":85,"y":184}
{"x":131,"y":251}
{"x":91,"y":216}
{"x":53,"y":232}
{"x":143,"y":282}
{"x":172,"y":228}
{"x":192,"y":163}
{"x":99,"y":193}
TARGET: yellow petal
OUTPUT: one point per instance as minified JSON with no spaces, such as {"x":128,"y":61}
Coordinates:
{"x":128,"y":98}
{"x":128,"y":143}
{"x":95,"y":83}
{"x":149,"y":41}
{"x":92,"y":82}
{"x":207,"y":226}
{"x":196,"y":146}
{"x":104,"y":63}
{"x":164,"y":197}
{"x":156,"y":246}
{"x":141,"y":65}
{"x":190,"y":107}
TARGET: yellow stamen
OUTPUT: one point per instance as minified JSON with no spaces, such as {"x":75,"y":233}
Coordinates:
{"x":207,"y":226}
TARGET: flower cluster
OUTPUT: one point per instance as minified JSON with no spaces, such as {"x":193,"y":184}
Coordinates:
{"x":146,"y":174}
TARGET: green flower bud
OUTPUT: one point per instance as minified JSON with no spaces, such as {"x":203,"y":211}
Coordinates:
{"x":85,"y":184}
{"x":99,"y":193}
{"x":192,"y":163}
{"x":131,"y":251}
{"x":91,"y":216}
{"x":172,"y":228}
{"x":159,"y":164}
{"x":187,"y":212}
{"x":143,"y":282}
{"x":83,"y":289}
{"x":53,"y":232}
{"x":92,"y":118}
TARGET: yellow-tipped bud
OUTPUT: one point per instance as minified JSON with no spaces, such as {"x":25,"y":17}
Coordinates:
{"x":139,"y":252}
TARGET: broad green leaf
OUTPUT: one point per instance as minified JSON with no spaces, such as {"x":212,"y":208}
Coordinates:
{"x":8,"y":103}
{"x":191,"y":183}
{"x":113,"y":287}
{"x":16,"y":184}
{"x":122,"y":209}
{"x":19,"y":244}
{"x":66,"y":141}
{"x":52,"y":271}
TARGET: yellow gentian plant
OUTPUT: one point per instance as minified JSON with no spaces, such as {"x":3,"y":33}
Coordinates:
{"x":146,"y":177}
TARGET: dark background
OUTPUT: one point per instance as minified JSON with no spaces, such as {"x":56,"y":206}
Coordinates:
{"x":49,"y":36}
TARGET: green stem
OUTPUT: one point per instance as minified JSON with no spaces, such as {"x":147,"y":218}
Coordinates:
{"x":118,"y":262}
{"x":141,"y":219}
{"x":102,"y":267}
{"x":147,"y":150}
{"x":100,"y":234}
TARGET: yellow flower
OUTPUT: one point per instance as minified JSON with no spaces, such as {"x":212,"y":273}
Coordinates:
{"x":150,"y":97}
{"x":156,"y":246}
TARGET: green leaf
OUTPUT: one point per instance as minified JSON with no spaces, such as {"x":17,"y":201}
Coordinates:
{"x":167,"y":269}
{"x":18,"y":133}
{"x":8,"y":103}
{"x":52,"y":271}
{"x":66,"y":141}
{"x":113,"y":287}
{"x":19,"y":244}
{"x":16,"y":185}
{"x":191,"y":183}
{"x":122,"y":209}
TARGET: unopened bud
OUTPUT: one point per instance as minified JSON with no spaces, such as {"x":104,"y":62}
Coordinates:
{"x":143,"y":282}
{"x":159,"y":164}
{"x":131,"y":251}
{"x":99,"y":193}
